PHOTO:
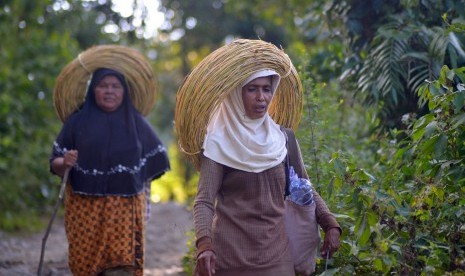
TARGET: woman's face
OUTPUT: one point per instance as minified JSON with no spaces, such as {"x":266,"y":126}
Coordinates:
{"x":256,"y":96}
{"x":109,"y":93}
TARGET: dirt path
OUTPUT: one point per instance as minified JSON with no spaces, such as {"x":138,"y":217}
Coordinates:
{"x":166,"y":245}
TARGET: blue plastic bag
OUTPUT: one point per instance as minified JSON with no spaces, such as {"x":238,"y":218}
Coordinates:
{"x":300,"y":189}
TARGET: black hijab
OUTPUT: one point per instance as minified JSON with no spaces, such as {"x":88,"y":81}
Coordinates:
{"x":117,"y":151}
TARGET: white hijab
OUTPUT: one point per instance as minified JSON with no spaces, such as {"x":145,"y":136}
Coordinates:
{"x":235,"y":140}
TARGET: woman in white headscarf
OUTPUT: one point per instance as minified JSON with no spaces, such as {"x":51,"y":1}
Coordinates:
{"x":239,"y":207}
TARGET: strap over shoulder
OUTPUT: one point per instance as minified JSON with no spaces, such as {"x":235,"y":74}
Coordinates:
{"x":293,"y":157}
{"x":293,"y":153}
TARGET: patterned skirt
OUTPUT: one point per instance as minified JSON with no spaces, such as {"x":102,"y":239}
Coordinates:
{"x":104,"y":232}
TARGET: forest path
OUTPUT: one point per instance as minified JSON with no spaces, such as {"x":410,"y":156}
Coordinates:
{"x":166,"y":244}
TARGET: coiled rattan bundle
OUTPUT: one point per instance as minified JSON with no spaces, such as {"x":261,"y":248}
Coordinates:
{"x":71,"y":84}
{"x":218,"y":74}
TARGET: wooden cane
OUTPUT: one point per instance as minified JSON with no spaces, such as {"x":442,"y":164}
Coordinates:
{"x":57,"y":205}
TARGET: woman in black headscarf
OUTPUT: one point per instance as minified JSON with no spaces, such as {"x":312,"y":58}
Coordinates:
{"x":113,"y":154}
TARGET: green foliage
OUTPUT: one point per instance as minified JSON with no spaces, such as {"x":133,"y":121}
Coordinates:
{"x":331,"y":122}
{"x":398,"y":194}
{"x":208,"y":23}
{"x":175,"y":185}
{"x":26,"y":112}
{"x":335,"y":131}
{"x":188,"y":262}
{"x":394,"y":48}
{"x":334,"y":126}
{"x":27,"y":222}
{"x":38,"y":39}
{"x":405,"y":216}
{"x":401,"y":57}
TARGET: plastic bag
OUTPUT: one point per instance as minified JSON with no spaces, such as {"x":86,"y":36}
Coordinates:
{"x":300,"y":189}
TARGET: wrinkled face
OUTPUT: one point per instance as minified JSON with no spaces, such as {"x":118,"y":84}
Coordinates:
{"x":256,"y":96}
{"x":109,"y":93}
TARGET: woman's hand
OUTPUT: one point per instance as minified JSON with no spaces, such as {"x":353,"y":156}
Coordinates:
{"x":60,"y":164}
{"x":331,"y":242}
{"x":70,"y":158}
{"x":205,"y":264}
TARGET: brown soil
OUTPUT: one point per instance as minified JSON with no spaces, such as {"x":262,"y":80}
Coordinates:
{"x":166,"y":244}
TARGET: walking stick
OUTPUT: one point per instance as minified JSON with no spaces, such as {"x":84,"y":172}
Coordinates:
{"x":57,"y":205}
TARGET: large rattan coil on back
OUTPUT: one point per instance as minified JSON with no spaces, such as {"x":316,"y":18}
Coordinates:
{"x":71,"y":84}
{"x":218,"y":74}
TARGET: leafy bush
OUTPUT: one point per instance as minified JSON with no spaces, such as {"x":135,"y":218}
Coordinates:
{"x":405,"y":214}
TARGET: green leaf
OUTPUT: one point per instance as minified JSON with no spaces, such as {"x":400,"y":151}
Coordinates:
{"x":418,"y":131}
{"x":372,"y":218}
{"x":343,"y":216}
{"x":369,"y":175}
{"x":359,"y":225}
{"x":331,"y":186}
{"x":338,"y":181}
{"x":387,"y":260}
{"x":430,"y":129}
{"x":429,"y":145}
{"x":402,"y":211}
{"x":378,"y":264}
{"x":444,"y":74}
{"x":396,"y":248}
{"x":458,"y":101}
{"x":434,"y":90}
{"x":450,"y":75}
{"x":363,"y":232}
{"x":339,"y":167}
{"x":440,"y":146}
{"x":439,"y":192}
{"x":458,"y":120}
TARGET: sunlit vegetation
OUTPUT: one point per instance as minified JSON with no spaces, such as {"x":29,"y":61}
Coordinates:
{"x":382,"y":132}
